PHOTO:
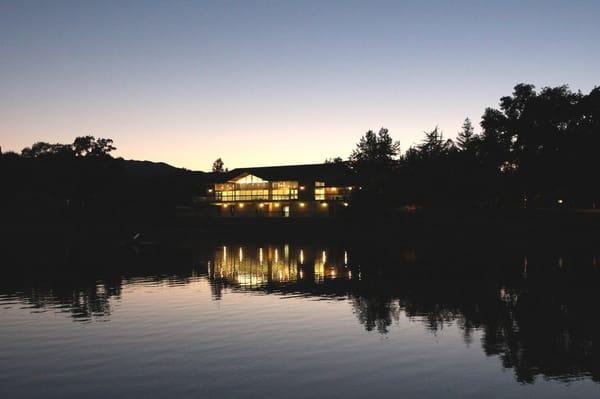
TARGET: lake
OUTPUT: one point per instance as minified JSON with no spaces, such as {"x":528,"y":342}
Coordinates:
{"x":302,"y":319}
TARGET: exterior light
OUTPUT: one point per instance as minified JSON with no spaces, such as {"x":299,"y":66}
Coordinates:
{"x":302,"y":205}
{"x":560,"y":201}
{"x":350,"y":188}
{"x":301,"y":187}
{"x":276,"y":204}
{"x":241,"y":205}
{"x":261,"y":205}
{"x":324,"y":204}
{"x":345,"y":204}
{"x":224,"y":205}
{"x":210,"y":190}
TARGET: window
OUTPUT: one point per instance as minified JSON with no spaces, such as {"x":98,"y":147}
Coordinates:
{"x":319,"y":190}
{"x":248,"y":179}
{"x":284,"y":190}
{"x":252,"y":188}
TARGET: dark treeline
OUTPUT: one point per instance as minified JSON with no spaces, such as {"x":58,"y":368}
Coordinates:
{"x":82,"y":183}
{"x":538,"y":149}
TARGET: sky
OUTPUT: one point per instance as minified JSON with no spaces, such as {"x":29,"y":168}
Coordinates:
{"x":275,"y":82}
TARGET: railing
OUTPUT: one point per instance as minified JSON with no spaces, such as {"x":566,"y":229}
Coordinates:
{"x":253,"y":197}
{"x":243,"y":198}
{"x":337,"y":197}
{"x":230,"y":192}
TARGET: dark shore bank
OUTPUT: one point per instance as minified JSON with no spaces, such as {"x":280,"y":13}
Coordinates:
{"x":462,"y":230}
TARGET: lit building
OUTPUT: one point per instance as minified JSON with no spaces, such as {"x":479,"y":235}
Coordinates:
{"x":282,"y":191}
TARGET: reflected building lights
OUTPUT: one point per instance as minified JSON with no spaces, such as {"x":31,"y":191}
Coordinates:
{"x":319,"y":271}
{"x":255,"y":267}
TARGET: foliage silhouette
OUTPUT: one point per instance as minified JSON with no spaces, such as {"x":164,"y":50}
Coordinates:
{"x":81,"y":184}
{"x":218,"y":166}
{"x":538,"y":149}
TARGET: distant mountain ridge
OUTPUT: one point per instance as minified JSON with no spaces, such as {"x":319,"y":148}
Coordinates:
{"x":149,"y":168}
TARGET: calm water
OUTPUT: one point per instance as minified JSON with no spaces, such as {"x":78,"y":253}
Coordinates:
{"x":238,"y":320}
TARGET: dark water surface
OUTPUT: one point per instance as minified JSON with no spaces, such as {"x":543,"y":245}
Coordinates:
{"x":240,"y":320}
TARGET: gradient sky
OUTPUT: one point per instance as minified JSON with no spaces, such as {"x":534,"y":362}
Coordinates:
{"x":275,"y":82}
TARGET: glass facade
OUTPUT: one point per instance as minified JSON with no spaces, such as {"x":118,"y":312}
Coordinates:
{"x":253,"y":188}
{"x":284,"y":190}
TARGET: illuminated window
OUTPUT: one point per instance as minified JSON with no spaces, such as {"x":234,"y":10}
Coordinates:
{"x":245,"y":188}
{"x":319,"y":190}
{"x":284,"y":190}
{"x":248,"y":179}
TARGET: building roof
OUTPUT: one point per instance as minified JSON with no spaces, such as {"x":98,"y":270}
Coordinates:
{"x":329,"y":173}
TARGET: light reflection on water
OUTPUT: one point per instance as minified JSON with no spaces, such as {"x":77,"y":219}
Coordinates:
{"x":247,"y":320}
{"x":259,"y":266}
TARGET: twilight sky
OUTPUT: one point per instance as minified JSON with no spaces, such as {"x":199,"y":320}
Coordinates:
{"x":275,"y":82}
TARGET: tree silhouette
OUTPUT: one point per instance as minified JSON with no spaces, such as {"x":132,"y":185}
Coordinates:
{"x":374,"y":160}
{"x":90,"y":146}
{"x":218,"y":166}
{"x":374,"y":148}
{"x":434,"y":145}
{"x":465,"y":137}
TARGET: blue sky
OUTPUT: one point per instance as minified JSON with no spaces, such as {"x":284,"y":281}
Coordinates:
{"x":275,"y":82}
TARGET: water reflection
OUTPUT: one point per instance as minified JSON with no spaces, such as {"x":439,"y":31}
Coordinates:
{"x":271,"y":265}
{"x":83,"y":302}
{"x":536,"y":312}
{"x":88,"y":289}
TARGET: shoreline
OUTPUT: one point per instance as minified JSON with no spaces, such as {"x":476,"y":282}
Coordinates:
{"x":443,"y":225}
